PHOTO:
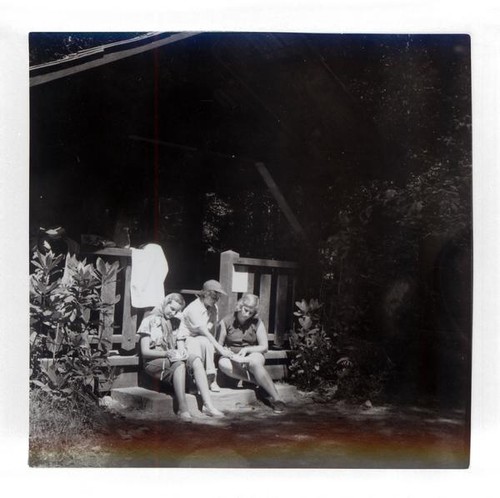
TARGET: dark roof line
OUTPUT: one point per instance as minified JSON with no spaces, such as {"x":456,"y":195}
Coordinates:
{"x":103,"y":54}
{"x":92,"y":50}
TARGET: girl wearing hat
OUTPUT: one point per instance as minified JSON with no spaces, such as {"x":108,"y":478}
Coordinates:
{"x":197,"y":329}
{"x":244,"y":334}
{"x":164,"y":362}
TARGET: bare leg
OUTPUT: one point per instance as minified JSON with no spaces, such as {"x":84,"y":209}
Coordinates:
{"x":179,"y":382}
{"x":234,"y":370}
{"x":202,"y":347}
{"x":255,"y":373}
{"x":208,"y":351}
{"x":200,"y":377}
{"x":261,"y":376}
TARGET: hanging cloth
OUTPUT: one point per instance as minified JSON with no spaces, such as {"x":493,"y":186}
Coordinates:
{"x":149,"y":270}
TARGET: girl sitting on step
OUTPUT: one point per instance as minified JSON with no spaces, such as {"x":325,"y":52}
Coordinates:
{"x":162,"y":360}
{"x":244,"y":334}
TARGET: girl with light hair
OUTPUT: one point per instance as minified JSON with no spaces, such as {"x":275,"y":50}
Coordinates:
{"x":245,"y":335}
{"x":165,"y":363}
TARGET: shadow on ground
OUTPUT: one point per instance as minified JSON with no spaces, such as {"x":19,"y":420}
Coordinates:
{"x":307,"y":435}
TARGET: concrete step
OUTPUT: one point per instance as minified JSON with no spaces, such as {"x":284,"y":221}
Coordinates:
{"x":227,"y":400}
{"x":155,"y":403}
{"x":233,"y":399}
{"x":288,"y":393}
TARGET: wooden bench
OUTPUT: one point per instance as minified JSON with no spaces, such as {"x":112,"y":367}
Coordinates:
{"x":273,"y":281}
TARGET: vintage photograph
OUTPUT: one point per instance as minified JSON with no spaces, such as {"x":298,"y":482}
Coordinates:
{"x":250,"y":250}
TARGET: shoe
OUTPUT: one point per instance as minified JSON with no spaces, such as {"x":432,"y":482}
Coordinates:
{"x":214,"y":387}
{"x":186,"y":416}
{"x":211,"y":412}
{"x":277,"y":405}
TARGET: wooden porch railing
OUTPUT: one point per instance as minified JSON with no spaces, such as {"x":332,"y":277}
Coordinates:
{"x":120,"y":323}
{"x":273,"y":281}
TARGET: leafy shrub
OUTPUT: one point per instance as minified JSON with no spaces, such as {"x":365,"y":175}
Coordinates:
{"x":367,"y":374}
{"x":317,"y":361}
{"x":68,"y":350}
{"x":332,"y":362}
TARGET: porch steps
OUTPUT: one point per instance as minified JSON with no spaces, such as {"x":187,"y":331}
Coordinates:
{"x":161,"y":404}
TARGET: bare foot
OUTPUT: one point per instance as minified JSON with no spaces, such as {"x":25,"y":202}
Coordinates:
{"x":212,"y":411}
{"x":186,"y":416}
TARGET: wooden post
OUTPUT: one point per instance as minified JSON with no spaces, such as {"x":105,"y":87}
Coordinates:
{"x":108,"y":295}
{"x":251,"y":283}
{"x":129,"y":320}
{"x":227,"y":261}
{"x":265,"y":302}
{"x":281,"y":310}
{"x":291,"y":300}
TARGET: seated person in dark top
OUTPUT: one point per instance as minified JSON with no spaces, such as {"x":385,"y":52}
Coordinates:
{"x":245,"y":336}
{"x":164,"y":362}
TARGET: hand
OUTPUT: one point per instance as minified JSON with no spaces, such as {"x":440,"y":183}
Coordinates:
{"x":226,"y":352}
{"x":242,"y":352}
{"x":239,"y":359}
{"x":174,"y":355}
{"x":171,"y":355}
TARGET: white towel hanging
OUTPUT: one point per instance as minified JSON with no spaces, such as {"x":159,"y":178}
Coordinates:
{"x":149,"y":270}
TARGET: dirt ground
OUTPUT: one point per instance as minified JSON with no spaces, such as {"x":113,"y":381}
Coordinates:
{"x":306,"y":435}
